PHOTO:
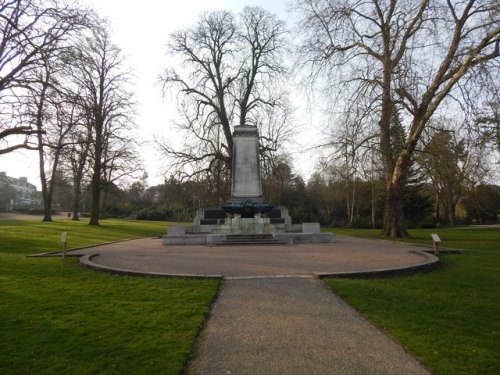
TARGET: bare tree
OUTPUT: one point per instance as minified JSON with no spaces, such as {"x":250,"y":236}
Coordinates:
{"x":120,"y":159}
{"x":37,"y":35}
{"x":99,"y":72}
{"x":50,"y":113}
{"x":31,"y":31}
{"x":75,"y":161}
{"x":408,"y":56}
{"x":233,"y":71}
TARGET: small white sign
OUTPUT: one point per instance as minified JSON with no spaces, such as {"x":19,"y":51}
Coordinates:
{"x":435,"y":237}
{"x":64,"y":237}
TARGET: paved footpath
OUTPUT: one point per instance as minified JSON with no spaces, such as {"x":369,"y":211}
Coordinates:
{"x":293,"y":326}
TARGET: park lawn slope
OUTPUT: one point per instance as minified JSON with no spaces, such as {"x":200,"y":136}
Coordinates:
{"x":449,"y":317}
{"x":35,"y":236}
{"x":59,"y":318}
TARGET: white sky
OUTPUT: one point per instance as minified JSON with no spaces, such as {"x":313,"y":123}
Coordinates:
{"x":141,"y":30}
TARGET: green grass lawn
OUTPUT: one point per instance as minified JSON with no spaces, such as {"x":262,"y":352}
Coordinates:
{"x":449,"y":318}
{"x":56,"y":318}
{"x":34,"y":236}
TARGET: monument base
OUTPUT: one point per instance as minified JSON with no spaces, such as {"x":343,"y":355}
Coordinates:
{"x":245,"y":225}
{"x":246,"y":218}
{"x":213,"y":234}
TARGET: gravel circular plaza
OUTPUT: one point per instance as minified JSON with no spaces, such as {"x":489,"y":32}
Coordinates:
{"x":347,"y":256}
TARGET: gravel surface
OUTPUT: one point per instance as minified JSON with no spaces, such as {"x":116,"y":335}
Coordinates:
{"x":348,"y":254}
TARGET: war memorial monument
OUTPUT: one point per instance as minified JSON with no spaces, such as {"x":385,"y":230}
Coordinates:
{"x":246,"y":218}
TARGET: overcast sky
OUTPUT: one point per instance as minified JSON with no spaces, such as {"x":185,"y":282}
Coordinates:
{"x":141,"y":29}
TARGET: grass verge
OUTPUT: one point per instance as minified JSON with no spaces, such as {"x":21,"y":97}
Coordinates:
{"x":58,"y":318}
{"x":448,"y":318}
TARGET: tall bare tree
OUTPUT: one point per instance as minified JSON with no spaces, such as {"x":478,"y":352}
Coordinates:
{"x":31,"y":31}
{"x":232,"y":72}
{"x":36,"y":33}
{"x":75,"y":161}
{"x":53,"y":125}
{"x":408,"y":56}
{"x":120,"y":160}
{"x":98,"y":70}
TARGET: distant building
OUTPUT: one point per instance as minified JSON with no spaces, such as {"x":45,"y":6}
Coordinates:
{"x":156,"y":197}
{"x":16,"y":192}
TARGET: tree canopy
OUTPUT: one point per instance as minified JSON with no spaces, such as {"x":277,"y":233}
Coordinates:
{"x":232,"y":72}
{"x":409,"y":58}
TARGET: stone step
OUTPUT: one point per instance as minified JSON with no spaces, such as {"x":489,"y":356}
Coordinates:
{"x":249,"y":243}
{"x":249,"y":239}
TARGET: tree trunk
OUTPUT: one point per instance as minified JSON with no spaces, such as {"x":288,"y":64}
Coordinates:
{"x":352,"y":202}
{"x":104,"y":198}
{"x":48,"y":190}
{"x":394,"y":215}
{"x":78,"y":168}
{"x":75,"y":216}
{"x":76,"y":200}
{"x":438,"y":209}
{"x":373,"y":204}
{"x":452,"y":216}
{"x":47,"y":198}
{"x":47,"y":204}
{"x":394,"y":221}
{"x":452,"y":203}
{"x":347,"y":201}
{"x":96,"y":178}
{"x":96,"y":194}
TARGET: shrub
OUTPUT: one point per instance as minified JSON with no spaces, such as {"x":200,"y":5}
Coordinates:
{"x":153,"y":214}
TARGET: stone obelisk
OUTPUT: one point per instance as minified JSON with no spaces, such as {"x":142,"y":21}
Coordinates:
{"x":246,"y":181}
{"x":246,"y":184}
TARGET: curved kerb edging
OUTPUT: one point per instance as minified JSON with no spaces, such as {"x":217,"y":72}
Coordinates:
{"x":431,"y":262}
{"x":69,"y":251}
{"x":86,"y":261}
